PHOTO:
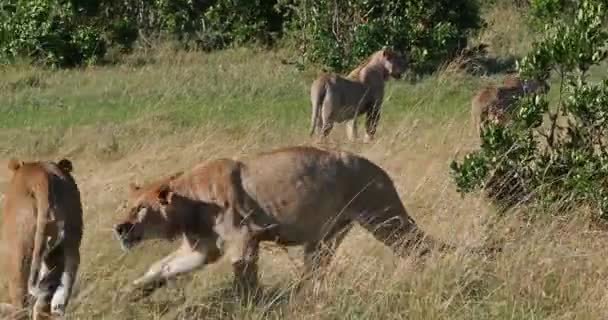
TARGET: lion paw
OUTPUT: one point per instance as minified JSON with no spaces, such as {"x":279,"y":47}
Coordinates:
{"x":58,"y":310}
{"x":35,"y":291}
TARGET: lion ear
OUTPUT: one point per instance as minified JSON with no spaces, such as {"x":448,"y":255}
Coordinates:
{"x":65,"y":165}
{"x":14,"y":164}
{"x":387,"y":53}
{"x":176,"y":175}
{"x":164,"y":194}
{"x":133,"y":187}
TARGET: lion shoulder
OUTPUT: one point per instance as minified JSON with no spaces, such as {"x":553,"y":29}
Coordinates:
{"x":214,"y":181}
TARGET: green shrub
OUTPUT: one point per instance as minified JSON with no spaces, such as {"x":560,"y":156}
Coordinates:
{"x":558,"y":165}
{"x":237,"y":22}
{"x":67,"y":33}
{"x":340,"y":33}
{"x":53,"y":32}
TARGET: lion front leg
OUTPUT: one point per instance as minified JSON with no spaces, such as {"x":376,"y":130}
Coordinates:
{"x":246,"y":269}
{"x":154,"y":271}
{"x":182,"y":261}
{"x":371,"y":123}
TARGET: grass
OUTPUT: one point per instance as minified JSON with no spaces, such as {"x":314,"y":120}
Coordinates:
{"x":170,"y":110}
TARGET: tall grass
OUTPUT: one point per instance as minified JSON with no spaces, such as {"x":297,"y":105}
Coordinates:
{"x":165,"y":111}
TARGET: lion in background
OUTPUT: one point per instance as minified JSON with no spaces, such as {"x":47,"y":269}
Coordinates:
{"x":336,"y":98}
{"x":493,"y":103}
{"x":291,"y":196}
{"x":41,"y":235}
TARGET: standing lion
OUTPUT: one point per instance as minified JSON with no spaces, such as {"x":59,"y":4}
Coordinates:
{"x":41,"y":235}
{"x":336,"y":98}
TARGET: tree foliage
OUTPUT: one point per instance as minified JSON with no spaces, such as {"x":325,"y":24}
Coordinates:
{"x":563,"y":161}
{"x":340,"y":33}
{"x":67,"y":33}
{"x":335,"y":33}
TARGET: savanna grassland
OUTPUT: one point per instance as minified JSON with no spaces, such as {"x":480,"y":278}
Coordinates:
{"x":163,"y":111}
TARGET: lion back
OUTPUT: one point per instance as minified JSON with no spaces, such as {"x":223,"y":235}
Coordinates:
{"x":368,"y":184}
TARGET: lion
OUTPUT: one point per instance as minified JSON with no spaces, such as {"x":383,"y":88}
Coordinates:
{"x":41,"y":232}
{"x":336,"y":98}
{"x":493,"y":103}
{"x":293,"y":196}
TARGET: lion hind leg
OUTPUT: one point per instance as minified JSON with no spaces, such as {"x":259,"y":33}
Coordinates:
{"x":327,"y":115}
{"x":63,"y":292}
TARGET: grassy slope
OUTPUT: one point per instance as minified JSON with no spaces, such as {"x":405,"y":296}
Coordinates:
{"x":134,"y":122}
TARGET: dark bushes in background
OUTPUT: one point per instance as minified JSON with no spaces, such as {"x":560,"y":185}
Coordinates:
{"x":334,"y":33}
{"x":339,"y":33}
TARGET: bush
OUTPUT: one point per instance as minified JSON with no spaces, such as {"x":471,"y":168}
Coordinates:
{"x":563,"y":166}
{"x":67,"y":33}
{"x":340,"y":33}
{"x":53,"y":32}
{"x":237,"y":22}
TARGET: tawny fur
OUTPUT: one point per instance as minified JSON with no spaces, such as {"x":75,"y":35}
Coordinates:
{"x":336,"y":98}
{"x":292,"y":196}
{"x":41,"y":235}
{"x":493,"y":103}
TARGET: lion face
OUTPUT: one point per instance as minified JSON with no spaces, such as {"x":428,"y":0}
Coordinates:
{"x":144,"y":218}
{"x":394,"y":63}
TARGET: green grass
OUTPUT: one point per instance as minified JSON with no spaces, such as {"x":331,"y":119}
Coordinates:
{"x":192,"y":90}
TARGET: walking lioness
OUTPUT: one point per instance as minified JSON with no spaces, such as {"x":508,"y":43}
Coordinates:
{"x":336,"y":98}
{"x":293,"y":196}
{"x":41,"y":235}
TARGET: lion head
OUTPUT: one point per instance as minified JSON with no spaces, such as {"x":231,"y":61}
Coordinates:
{"x":394,"y":63}
{"x":537,"y":86}
{"x":527,"y":85}
{"x":157,"y":212}
{"x":144,"y":217}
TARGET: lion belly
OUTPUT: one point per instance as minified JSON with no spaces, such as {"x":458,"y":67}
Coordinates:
{"x":302,"y":194}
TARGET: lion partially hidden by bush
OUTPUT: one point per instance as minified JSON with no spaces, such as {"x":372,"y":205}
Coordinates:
{"x":493,"y":103}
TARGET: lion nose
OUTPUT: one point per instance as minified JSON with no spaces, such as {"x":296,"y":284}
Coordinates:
{"x":123,"y":228}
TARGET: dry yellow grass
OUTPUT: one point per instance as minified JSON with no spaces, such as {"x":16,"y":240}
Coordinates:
{"x":551,"y":270}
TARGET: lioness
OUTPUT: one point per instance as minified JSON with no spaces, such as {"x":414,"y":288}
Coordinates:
{"x":293,"y":196}
{"x":492,"y":103}
{"x":336,"y":98}
{"x":41,"y":235}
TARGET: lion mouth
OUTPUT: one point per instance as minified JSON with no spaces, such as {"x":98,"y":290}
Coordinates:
{"x":124,"y":242}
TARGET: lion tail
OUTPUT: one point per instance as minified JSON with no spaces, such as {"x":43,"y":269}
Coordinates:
{"x":427,"y":243}
{"x":318,"y":93}
{"x":41,"y":191}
